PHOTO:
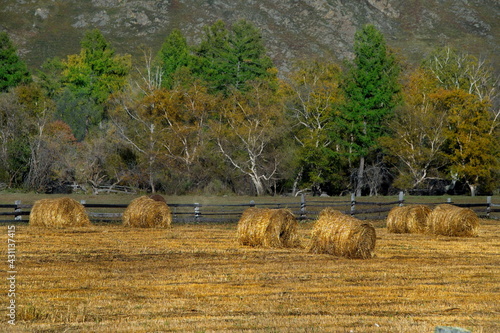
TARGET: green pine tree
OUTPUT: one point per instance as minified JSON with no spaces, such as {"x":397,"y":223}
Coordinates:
{"x":371,"y":88}
{"x":174,"y":56}
{"x":13,"y":71}
{"x":88,"y":79}
{"x":228,"y":59}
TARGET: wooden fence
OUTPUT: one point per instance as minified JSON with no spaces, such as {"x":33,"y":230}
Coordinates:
{"x":202,"y":213}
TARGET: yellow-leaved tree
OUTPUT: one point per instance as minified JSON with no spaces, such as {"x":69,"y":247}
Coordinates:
{"x":248,"y":130}
{"x":417,"y":136}
{"x":472,"y":149}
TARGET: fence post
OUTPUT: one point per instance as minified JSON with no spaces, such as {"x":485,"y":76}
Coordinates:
{"x":17,"y":217}
{"x":401,"y":198}
{"x":197,"y":213}
{"x":353,"y":204}
{"x":252,"y":203}
{"x":488,"y":206}
{"x":303,"y":207}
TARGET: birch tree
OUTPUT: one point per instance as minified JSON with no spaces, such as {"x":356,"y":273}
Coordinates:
{"x":248,"y":132}
{"x":313,"y":101}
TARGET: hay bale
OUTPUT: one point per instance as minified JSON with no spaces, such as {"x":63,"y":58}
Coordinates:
{"x":58,"y":213}
{"x":342,"y":235}
{"x":449,"y":220}
{"x":408,"y":219}
{"x":268,"y":228}
{"x":145,"y":212}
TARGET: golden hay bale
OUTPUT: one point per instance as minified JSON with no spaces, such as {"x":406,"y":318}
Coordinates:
{"x":342,"y":235}
{"x":449,"y":220}
{"x":145,"y":212}
{"x":268,"y":228}
{"x":58,"y":213}
{"x":408,"y":219}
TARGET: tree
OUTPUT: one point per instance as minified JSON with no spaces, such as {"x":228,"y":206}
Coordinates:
{"x":456,"y":70}
{"x":213,"y":57}
{"x":14,"y":145}
{"x":38,"y":109}
{"x":91,"y":77}
{"x":248,"y":131}
{"x":472,"y":151}
{"x":417,"y":133}
{"x":314,"y":97}
{"x":173,"y":56}
{"x":250,"y":54}
{"x":13,"y":71}
{"x":50,"y":77}
{"x":371,"y":89}
{"x":227,"y":59}
{"x":141,"y":127}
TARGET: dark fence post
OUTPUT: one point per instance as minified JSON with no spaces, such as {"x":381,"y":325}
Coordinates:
{"x":252,"y":203}
{"x":303,"y":207}
{"x":353,"y":204}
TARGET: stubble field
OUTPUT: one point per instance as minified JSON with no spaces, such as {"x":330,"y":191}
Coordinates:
{"x":196,"y":278}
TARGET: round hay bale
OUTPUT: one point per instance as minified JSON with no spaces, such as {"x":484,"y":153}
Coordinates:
{"x":268,"y":228}
{"x":145,"y":212}
{"x":342,"y":235}
{"x":58,"y":213}
{"x":449,"y":220}
{"x":408,"y":219}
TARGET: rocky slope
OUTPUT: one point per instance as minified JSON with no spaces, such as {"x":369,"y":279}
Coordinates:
{"x":292,"y":29}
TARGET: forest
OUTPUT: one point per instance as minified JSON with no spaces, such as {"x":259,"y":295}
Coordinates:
{"x":218,"y":118}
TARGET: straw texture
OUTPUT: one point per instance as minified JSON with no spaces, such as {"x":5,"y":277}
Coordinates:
{"x":341,"y":235}
{"x":145,"y":212}
{"x":268,"y":228}
{"x":58,"y":213}
{"x":449,"y":220}
{"x":408,"y":219}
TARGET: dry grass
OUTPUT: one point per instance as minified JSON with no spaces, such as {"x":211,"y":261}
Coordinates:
{"x":196,"y":278}
{"x":146,"y":212}
{"x":268,"y":228}
{"x":408,"y":219}
{"x":58,"y":213}
{"x":341,"y":235}
{"x":449,"y":220}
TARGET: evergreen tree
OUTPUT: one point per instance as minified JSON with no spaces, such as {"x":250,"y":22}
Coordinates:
{"x":13,"y":70}
{"x":97,"y":70}
{"x":250,"y":58}
{"x":88,"y":79}
{"x":174,"y":55}
{"x":371,"y":88}
{"x":228,"y":59}
{"x":213,"y":57}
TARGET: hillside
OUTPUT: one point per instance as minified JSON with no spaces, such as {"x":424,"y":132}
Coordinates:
{"x":292,"y":29}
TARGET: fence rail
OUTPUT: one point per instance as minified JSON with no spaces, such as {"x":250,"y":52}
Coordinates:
{"x":201,"y":213}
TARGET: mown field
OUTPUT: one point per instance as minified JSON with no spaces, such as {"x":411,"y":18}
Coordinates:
{"x":196,"y":278}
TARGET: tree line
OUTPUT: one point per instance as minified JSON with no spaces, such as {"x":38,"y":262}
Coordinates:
{"x":218,"y":117}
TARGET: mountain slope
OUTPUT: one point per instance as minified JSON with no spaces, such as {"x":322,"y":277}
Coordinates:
{"x":291,"y":29}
